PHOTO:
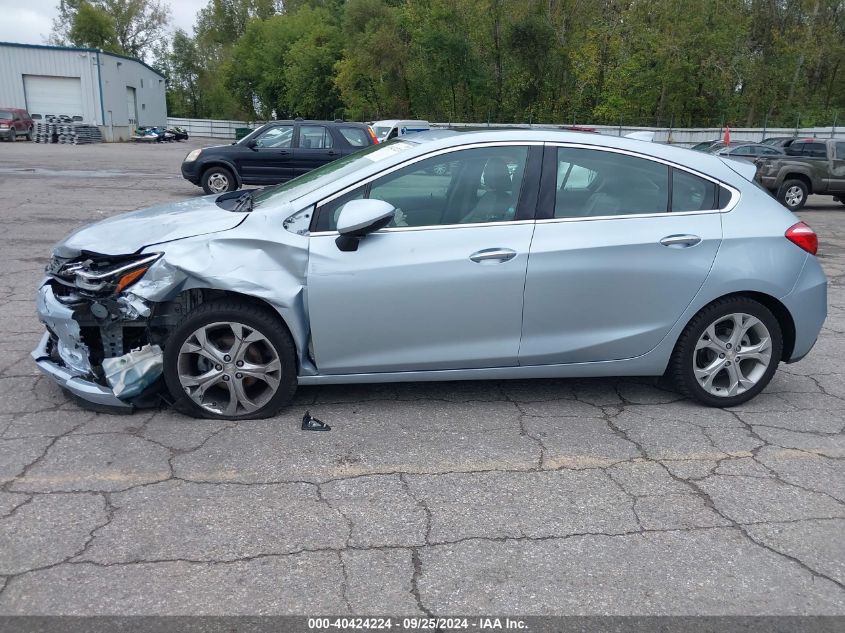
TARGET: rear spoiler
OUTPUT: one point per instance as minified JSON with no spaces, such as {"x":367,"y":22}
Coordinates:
{"x":743,"y":168}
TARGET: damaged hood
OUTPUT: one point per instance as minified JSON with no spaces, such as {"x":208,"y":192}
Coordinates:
{"x":130,"y":232}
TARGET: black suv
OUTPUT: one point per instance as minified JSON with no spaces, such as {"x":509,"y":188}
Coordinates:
{"x":274,"y":153}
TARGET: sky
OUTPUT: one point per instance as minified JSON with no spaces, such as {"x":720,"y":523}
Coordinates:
{"x":30,"y":21}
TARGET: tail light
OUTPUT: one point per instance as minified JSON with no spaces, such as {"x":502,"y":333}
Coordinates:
{"x":804,"y":237}
{"x":372,"y":135}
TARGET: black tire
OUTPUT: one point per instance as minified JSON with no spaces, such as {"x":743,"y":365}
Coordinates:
{"x":793,"y":194}
{"x":29,"y":135}
{"x":681,"y":366}
{"x":212,"y":180}
{"x":13,"y":136}
{"x":254,"y":317}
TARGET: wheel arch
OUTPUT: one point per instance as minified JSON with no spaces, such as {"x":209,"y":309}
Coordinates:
{"x":221,"y":162}
{"x":776,"y":307}
{"x":798,"y":175}
{"x":188,"y":299}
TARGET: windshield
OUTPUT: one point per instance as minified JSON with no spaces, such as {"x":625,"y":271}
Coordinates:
{"x":6,"y":116}
{"x":330,"y":172}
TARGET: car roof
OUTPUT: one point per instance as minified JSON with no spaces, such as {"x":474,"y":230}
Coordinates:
{"x":315,"y":122}
{"x":443,"y":138}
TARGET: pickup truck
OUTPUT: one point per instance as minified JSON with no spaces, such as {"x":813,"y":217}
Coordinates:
{"x":810,"y":166}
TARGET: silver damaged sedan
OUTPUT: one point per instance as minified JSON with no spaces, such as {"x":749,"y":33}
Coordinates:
{"x":441,"y":256}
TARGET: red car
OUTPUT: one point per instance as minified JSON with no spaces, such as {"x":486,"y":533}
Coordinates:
{"x":15,"y":123}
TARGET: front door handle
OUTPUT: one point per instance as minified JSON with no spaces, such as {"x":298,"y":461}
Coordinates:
{"x":680,"y":241}
{"x":493,"y":254}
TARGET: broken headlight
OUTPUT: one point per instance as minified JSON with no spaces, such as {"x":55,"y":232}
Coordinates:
{"x":104,"y":274}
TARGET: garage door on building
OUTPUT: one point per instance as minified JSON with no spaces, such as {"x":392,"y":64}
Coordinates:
{"x":131,"y":106}
{"x":53,"y":95}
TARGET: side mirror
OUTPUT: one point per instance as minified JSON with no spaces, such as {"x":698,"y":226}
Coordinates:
{"x":358,"y":218}
{"x":251,"y":143}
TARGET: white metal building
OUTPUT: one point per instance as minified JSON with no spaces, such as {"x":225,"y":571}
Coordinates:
{"x":114,"y":92}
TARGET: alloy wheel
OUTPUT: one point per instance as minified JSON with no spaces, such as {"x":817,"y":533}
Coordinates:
{"x":794,"y":195}
{"x":229,"y":368}
{"x":732,"y":355}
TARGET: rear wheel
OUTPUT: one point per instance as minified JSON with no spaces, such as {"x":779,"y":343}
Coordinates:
{"x":218,"y":180}
{"x":728,"y":353}
{"x":793,"y":194}
{"x":230,"y":360}
{"x":29,"y":134}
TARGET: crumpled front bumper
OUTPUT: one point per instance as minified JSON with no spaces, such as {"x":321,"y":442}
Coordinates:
{"x":77,"y":385}
{"x":70,"y":373}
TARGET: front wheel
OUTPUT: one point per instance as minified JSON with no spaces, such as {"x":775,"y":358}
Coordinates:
{"x":13,"y":136}
{"x":230,"y":360}
{"x":728,"y":353}
{"x":793,"y":194}
{"x":218,"y":180}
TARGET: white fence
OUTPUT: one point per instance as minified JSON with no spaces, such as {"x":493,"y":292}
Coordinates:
{"x":211,"y":128}
{"x":679,"y":136}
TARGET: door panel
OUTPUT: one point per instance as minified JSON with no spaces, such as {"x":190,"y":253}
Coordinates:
{"x":607,"y":289}
{"x":269,"y":162}
{"x":414,"y":300}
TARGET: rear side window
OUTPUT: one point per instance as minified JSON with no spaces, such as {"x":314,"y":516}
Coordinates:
{"x":840,"y":151}
{"x":692,"y":193}
{"x":594,"y":183}
{"x":314,"y":137}
{"x":814,"y":150}
{"x":355,"y":136}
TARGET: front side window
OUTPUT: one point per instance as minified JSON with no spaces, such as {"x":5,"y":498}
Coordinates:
{"x":840,"y":151}
{"x":314,"y":137}
{"x":279,"y":137}
{"x":463,"y":187}
{"x":600,"y":183}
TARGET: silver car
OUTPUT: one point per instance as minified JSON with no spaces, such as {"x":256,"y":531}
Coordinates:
{"x":533,"y":254}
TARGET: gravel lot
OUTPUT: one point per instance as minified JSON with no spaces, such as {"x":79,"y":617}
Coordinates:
{"x":551,"y":496}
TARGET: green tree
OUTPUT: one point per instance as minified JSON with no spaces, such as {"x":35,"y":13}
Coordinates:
{"x":129,"y":27}
{"x":94,"y":28}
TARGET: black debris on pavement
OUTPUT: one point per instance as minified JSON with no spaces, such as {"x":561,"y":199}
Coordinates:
{"x":313,"y":424}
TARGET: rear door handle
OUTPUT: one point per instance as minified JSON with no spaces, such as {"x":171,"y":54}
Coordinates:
{"x":680,"y":241}
{"x":493,"y":254}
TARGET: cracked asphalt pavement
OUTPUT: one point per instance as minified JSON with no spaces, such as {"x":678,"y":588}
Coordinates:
{"x":605,"y":496}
